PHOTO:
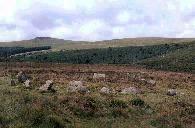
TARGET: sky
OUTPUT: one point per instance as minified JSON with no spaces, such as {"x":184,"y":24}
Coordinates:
{"x":93,"y":20}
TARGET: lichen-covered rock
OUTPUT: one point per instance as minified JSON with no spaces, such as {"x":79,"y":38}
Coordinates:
{"x":49,"y":83}
{"x":151,"y":82}
{"x":71,"y":88}
{"x":77,"y":86}
{"x":82,"y":89}
{"x":43,"y":88}
{"x":21,"y":77}
{"x":130,"y":90}
{"x":172,"y":92}
{"x":27,"y":84}
{"x":105,"y":90}
{"x":47,"y":87}
{"x":99,"y":76}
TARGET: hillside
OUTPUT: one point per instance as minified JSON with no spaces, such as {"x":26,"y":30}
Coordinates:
{"x":173,"y":57}
{"x":59,"y":44}
{"x":179,"y":60}
{"x":174,"y":54}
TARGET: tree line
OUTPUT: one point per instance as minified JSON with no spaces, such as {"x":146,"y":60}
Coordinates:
{"x":120,"y":55}
{"x":5,"y":52}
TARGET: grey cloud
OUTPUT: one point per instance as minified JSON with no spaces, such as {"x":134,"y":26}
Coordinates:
{"x":151,"y":19}
{"x":41,"y":18}
{"x":46,"y":17}
{"x":189,"y":16}
{"x":8,"y":26}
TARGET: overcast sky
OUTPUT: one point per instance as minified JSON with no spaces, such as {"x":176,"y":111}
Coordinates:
{"x":96,"y":19}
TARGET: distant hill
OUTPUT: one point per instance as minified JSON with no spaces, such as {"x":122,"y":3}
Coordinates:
{"x":60,"y":44}
{"x":175,"y":54}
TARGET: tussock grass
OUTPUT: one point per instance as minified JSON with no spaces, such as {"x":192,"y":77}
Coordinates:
{"x":20,"y":107}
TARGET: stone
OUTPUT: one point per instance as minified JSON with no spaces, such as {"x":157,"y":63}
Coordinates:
{"x":172,"y":92}
{"x":130,"y":90}
{"x":105,"y":90}
{"x":142,"y":79}
{"x":151,"y":82}
{"x":99,"y":76}
{"x":43,"y":88}
{"x":27,"y":84}
{"x":77,"y":86}
{"x":71,"y":88}
{"x":82,"y":89}
{"x":47,"y":87}
{"x":21,"y":77}
{"x":49,"y":83}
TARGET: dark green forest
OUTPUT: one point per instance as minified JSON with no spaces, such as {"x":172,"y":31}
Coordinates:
{"x":156,"y":56}
{"x":122,"y":55}
{"x":179,"y":60}
{"x":5,"y":52}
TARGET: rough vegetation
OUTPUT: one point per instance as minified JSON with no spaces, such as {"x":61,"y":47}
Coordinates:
{"x":97,"y":88}
{"x":23,"y":107}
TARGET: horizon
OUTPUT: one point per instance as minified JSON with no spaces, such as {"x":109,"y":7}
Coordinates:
{"x":99,"y":40}
{"x":96,"y":20}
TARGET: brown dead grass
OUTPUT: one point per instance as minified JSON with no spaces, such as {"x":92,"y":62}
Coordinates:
{"x":167,"y":110}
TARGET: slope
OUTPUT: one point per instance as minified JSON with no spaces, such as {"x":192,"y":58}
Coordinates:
{"x":179,"y":60}
{"x":60,"y":44}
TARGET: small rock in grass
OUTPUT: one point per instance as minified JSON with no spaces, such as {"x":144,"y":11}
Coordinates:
{"x":105,"y":90}
{"x":71,"y":89}
{"x":22,"y":77}
{"x":48,"y":87}
{"x":130,"y":90}
{"x":82,"y":89}
{"x":99,"y":76}
{"x":27,"y":84}
{"x":171,"y":92}
{"x":151,"y":82}
{"x":77,"y":86}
